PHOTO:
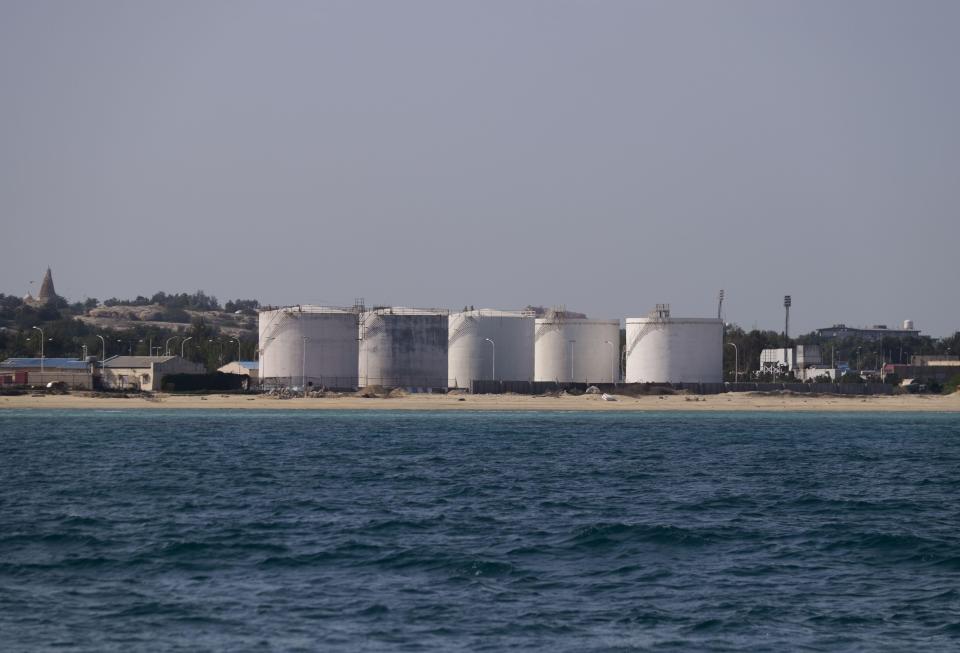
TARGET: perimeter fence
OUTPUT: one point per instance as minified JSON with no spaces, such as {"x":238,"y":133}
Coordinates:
{"x":547,"y":387}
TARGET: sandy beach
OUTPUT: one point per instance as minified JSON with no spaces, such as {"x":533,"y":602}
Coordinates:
{"x":723,"y":402}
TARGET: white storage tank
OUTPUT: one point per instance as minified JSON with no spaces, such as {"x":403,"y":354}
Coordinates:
{"x":576,"y":349}
{"x":312,"y":345}
{"x":665,"y":349}
{"x":403,"y":347}
{"x":488,"y":344}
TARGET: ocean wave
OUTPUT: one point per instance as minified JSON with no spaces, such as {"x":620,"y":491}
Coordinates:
{"x":607,"y":534}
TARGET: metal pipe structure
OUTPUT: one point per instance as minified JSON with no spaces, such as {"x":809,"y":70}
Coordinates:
{"x":184,"y":343}
{"x":103,"y":359}
{"x":42,"y":338}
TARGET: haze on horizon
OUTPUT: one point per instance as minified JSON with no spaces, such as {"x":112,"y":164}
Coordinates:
{"x":606,"y":156}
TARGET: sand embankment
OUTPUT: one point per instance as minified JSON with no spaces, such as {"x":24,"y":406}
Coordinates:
{"x":723,"y":402}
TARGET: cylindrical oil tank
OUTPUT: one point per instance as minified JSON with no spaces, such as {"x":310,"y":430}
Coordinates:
{"x":403,"y":347}
{"x":488,"y":344}
{"x":312,"y":345}
{"x":576,"y":349}
{"x":664,"y":349}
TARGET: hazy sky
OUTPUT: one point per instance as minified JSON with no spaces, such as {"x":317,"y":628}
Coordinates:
{"x":603,"y":155}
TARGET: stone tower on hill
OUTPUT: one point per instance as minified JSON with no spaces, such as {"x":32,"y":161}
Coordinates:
{"x":47,"y":293}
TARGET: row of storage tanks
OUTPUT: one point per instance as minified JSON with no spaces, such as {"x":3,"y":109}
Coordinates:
{"x":404,"y":347}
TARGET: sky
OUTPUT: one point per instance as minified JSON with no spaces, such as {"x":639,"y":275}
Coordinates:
{"x":602,"y":155}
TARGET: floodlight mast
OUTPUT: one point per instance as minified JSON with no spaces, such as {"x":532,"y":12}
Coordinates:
{"x":787,"y":302}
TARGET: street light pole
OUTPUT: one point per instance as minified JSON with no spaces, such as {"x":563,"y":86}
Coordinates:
{"x":571,"y":359}
{"x":303,"y":367}
{"x":166,"y":347}
{"x":493,"y":346}
{"x":238,"y":348}
{"x":736,"y":361}
{"x":184,"y":343}
{"x":42,"y":338}
{"x":217,"y":342}
{"x":103,"y":358}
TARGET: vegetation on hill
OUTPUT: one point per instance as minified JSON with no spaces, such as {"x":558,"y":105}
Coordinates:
{"x":67,"y":335}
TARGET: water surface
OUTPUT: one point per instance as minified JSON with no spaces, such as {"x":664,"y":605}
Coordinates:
{"x":348,"y":531}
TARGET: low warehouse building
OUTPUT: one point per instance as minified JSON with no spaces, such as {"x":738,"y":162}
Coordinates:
{"x":145,"y":372}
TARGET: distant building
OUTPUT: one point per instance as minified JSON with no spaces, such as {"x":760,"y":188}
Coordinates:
{"x":75,"y":373}
{"x":875,"y":333}
{"x":940,"y":370}
{"x":935,"y":360}
{"x":789,"y":359}
{"x":145,"y":372}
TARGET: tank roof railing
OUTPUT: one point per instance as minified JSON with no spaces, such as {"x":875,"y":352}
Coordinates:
{"x":407,"y":310}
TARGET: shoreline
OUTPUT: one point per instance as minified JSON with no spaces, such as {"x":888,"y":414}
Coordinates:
{"x":729,"y":402}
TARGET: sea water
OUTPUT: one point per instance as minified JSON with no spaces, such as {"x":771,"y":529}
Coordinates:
{"x":409,"y":531}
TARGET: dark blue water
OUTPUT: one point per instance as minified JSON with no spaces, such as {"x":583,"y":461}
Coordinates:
{"x":478,"y":531}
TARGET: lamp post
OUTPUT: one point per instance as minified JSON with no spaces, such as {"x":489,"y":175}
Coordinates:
{"x":166,"y":347}
{"x":217,"y":342}
{"x":493,"y":347}
{"x":736,"y":361}
{"x":103,"y":358}
{"x":42,"y":338}
{"x":571,"y":359}
{"x":184,"y":343}
{"x":303,"y":367}
{"x":238,"y":348}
